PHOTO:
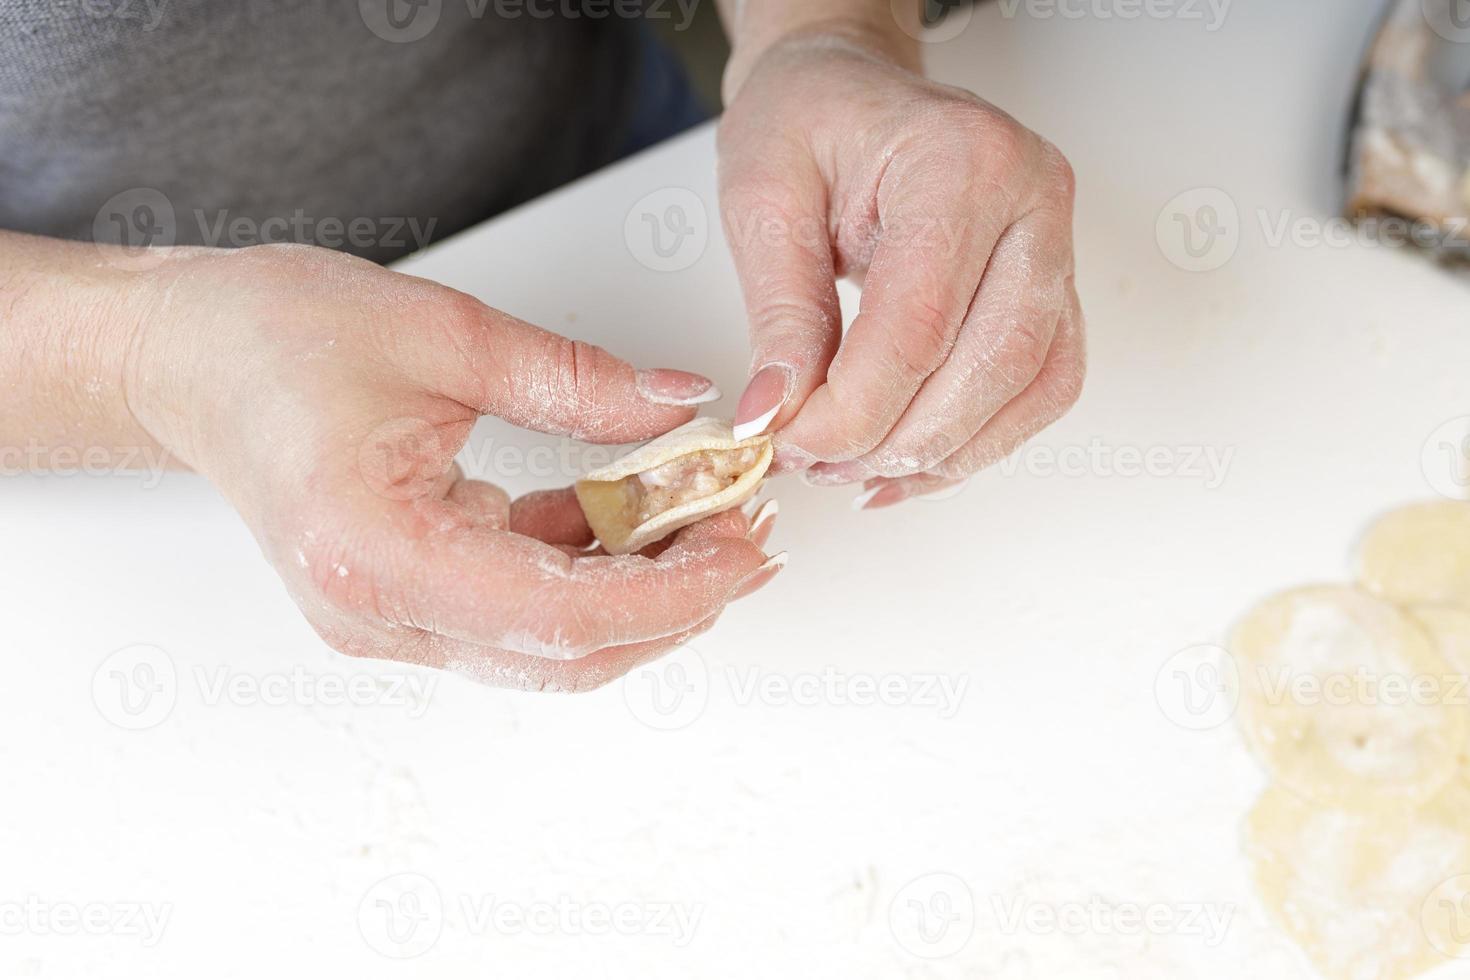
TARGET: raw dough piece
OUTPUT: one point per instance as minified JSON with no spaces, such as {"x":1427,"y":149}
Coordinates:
{"x":681,"y":477}
{"x":1420,"y":554}
{"x":1369,"y":895}
{"x":1343,"y":698}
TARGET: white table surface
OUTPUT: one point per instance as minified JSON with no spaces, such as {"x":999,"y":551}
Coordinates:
{"x":796,"y":831}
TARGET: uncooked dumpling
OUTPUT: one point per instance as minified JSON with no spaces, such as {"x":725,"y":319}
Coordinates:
{"x":1419,"y":555}
{"x":684,"y":476}
{"x":1368,"y":895}
{"x":1343,"y":697}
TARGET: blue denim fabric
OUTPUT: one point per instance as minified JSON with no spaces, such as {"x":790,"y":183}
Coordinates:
{"x":665,"y":103}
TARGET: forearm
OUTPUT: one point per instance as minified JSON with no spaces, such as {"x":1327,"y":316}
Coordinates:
{"x":70,"y":314}
{"x":754,"y":25}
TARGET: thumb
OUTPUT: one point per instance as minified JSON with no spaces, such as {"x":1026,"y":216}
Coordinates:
{"x":539,"y":380}
{"x":775,"y":217}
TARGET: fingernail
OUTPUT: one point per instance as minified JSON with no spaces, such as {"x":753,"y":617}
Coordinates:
{"x":883,"y":495}
{"x":763,"y":523}
{"x":759,"y":577}
{"x":763,"y":398}
{"x":665,"y":386}
{"x":835,"y":474}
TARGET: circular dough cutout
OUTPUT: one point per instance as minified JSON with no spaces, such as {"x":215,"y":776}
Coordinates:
{"x":1370,"y":893}
{"x":1346,"y":699}
{"x":1419,"y":555}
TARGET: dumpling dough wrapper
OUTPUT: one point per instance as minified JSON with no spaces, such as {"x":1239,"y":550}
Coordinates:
{"x":1340,"y":742}
{"x":1368,"y":894}
{"x":1419,"y":555}
{"x":686,"y":475}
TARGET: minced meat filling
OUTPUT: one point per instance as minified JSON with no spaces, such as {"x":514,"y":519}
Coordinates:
{"x":690,"y":477}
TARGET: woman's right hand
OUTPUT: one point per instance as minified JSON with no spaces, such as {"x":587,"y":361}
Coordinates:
{"x":327,"y":397}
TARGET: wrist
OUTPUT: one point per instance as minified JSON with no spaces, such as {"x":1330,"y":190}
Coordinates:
{"x":72,"y":316}
{"x":877,"y":36}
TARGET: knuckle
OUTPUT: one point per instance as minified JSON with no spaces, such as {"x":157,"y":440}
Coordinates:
{"x":575,"y":367}
{"x":1019,"y":356}
{"x":1064,"y":178}
{"x":1001,"y":148}
{"x":783,"y":324}
{"x":1070,"y":381}
{"x":859,"y":427}
{"x":922,"y":339}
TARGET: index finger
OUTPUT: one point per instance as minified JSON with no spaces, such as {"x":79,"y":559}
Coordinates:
{"x":939,"y":232}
